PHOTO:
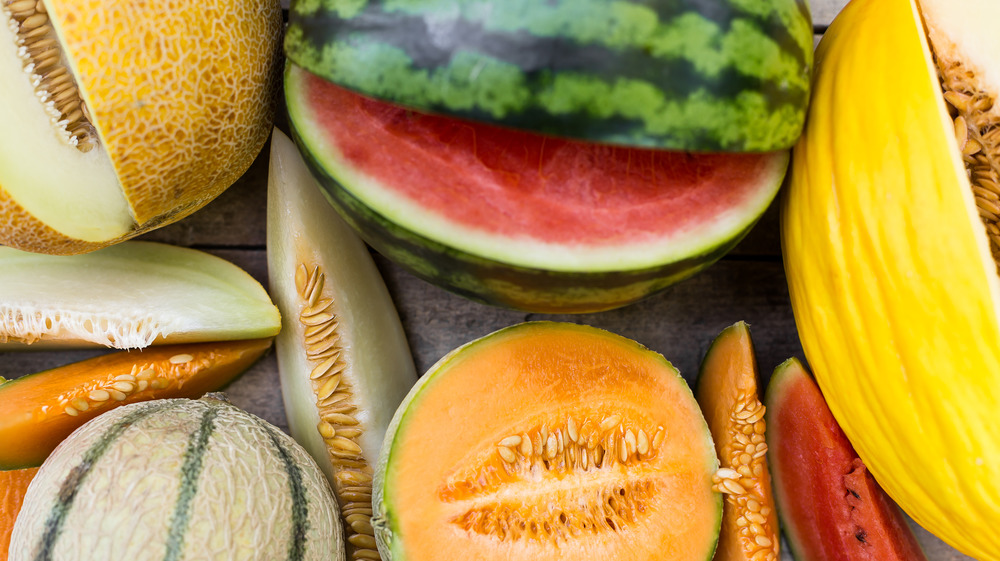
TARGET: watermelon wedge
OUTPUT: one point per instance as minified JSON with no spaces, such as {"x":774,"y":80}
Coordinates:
{"x":518,"y":219}
{"x":830,"y":506}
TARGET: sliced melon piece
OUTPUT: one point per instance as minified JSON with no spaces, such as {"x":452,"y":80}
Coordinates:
{"x":13,"y":486}
{"x":728,"y":395}
{"x":129,"y":296}
{"x":42,"y":409}
{"x":519,"y":219}
{"x":830,"y":506}
{"x":342,"y":355}
{"x":106,"y":133}
{"x":548,"y":441}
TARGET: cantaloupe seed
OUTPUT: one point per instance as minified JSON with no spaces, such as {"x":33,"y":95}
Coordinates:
{"x":564,"y":448}
{"x":42,"y":58}
{"x":104,"y":392}
{"x":977,"y":130}
{"x":338,"y":424}
{"x":736,"y":479}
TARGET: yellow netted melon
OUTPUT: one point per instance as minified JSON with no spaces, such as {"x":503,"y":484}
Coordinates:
{"x":119,"y":117}
{"x":890,"y":235}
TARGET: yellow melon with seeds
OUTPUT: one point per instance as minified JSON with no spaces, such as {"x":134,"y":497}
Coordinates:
{"x":120,"y":117}
{"x":890,"y":240}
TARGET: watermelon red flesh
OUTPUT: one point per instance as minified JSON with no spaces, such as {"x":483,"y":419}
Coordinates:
{"x":506,"y":184}
{"x":830,"y":506}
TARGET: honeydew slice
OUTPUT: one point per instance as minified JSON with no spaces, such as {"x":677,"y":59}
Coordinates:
{"x":342,"y":354}
{"x":129,"y":296}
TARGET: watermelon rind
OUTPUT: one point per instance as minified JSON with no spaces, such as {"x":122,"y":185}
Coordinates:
{"x":520,"y":273}
{"x":700,"y":75}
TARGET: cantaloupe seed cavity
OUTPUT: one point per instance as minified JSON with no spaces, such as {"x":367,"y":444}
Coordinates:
{"x":977,"y":129}
{"x":97,"y":394}
{"x":38,"y":47}
{"x":583,"y":448}
{"x":737,"y":481}
{"x":339,"y":425}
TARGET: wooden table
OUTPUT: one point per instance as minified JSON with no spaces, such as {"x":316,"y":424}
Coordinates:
{"x":748,"y":284}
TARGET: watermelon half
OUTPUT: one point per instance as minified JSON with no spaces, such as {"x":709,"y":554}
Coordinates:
{"x":522,"y":220}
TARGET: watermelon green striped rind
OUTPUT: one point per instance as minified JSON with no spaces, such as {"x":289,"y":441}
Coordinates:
{"x":522,"y":220}
{"x":701,"y":75}
{"x":173,"y":480}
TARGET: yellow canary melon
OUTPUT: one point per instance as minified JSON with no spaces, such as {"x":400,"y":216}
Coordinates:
{"x":888,"y":227}
{"x":119,"y":117}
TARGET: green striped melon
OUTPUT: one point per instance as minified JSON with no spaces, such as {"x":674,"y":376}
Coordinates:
{"x":522,"y":220}
{"x":706,"y":75}
{"x":173,"y":480}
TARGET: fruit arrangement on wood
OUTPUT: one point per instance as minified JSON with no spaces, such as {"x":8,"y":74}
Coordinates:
{"x":889,"y":228}
{"x":570,"y":156}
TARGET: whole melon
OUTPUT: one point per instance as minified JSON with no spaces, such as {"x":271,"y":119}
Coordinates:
{"x":178,"y":479}
{"x":119,"y":117}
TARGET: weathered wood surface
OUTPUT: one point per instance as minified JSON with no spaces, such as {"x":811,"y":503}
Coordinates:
{"x":748,"y":284}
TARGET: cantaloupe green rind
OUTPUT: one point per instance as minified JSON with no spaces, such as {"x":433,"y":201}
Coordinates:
{"x":374,"y":363}
{"x":391,"y":540}
{"x":129,"y":296}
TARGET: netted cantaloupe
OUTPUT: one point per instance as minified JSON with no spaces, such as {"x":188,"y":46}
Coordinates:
{"x":178,"y":479}
{"x":548,"y":441}
{"x":890,"y":240}
{"x":119,"y":117}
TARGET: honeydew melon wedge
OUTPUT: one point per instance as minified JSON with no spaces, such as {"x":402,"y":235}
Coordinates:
{"x":342,"y":355}
{"x":129,"y":296}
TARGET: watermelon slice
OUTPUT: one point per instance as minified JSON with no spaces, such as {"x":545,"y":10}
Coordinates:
{"x":519,"y":219}
{"x":830,"y":506}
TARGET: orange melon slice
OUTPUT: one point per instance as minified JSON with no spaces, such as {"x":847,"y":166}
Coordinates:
{"x":548,"y":441}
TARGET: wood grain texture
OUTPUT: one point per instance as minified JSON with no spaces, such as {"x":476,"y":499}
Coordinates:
{"x":679,"y":323}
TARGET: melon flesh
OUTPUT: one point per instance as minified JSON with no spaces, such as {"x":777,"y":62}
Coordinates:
{"x":129,"y":296}
{"x":76,"y":192}
{"x":530,"y":200}
{"x":548,"y":441}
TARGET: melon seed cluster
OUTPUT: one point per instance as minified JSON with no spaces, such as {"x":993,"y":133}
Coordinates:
{"x":612,"y":509}
{"x":747,"y":465}
{"x":978,"y":134}
{"x":38,"y":47}
{"x":101,"y":393}
{"x":338,"y":424}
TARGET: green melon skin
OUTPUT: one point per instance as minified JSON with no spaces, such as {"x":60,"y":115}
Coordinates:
{"x":473,"y":272}
{"x":697,"y":75}
{"x":178,"y":480}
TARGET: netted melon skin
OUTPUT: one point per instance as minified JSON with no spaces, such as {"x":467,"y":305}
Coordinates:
{"x":144,"y":496}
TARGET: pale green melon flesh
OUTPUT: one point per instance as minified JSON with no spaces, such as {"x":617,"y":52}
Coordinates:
{"x":129,"y":295}
{"x":375,"y":366}
{"x":75,"y":193}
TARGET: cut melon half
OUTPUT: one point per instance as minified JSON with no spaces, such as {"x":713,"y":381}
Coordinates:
{"x":106,"y":132}
{"x":519,"y":219}
{"x":343,"y":358}
{"x":548,"y":441}
{"x":129,"y":296}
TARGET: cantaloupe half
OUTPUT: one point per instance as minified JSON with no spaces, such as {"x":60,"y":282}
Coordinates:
{"x":550,"y":441}
{"x":119,"y":117}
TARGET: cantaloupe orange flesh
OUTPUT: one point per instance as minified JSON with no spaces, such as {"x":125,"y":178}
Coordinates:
{"x":42,"y":409}
{"x":728,"y":395}
{"x":13,"y":486}
{"x":495,"y":456}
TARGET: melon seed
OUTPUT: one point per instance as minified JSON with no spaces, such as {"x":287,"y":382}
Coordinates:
{"x":339,"y":428}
